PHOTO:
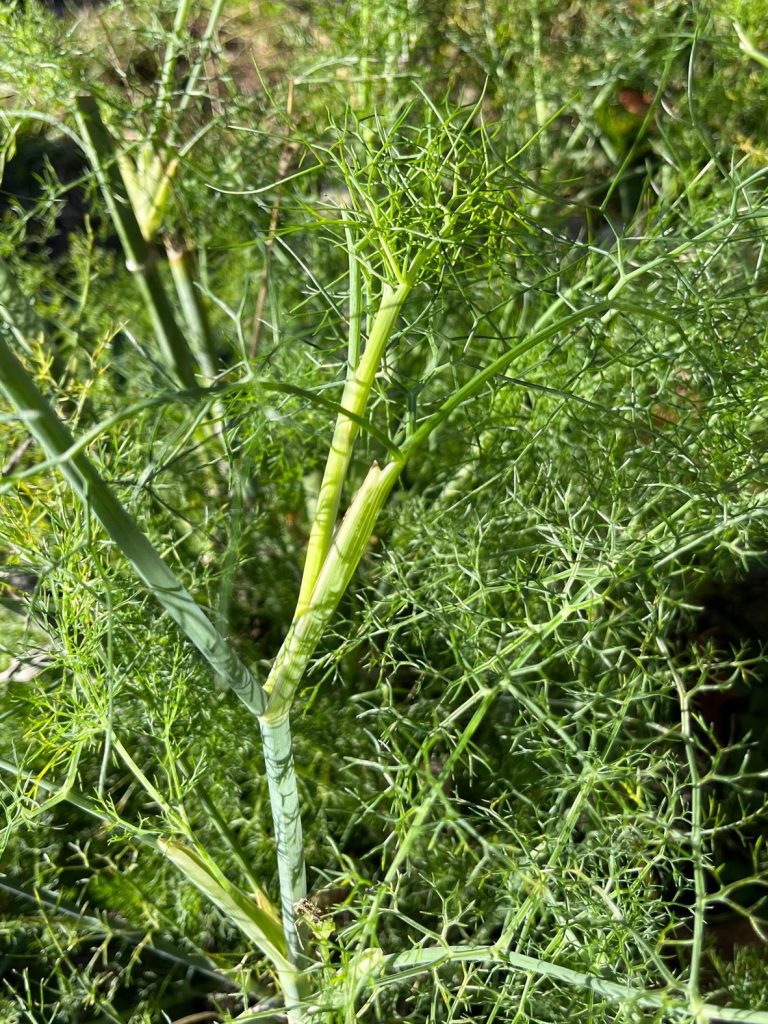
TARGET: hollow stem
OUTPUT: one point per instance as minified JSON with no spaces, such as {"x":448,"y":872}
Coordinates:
{"x":286,"y":818}
{"x":140,"y":256}
{"x":355,"y":398}
{"x":308,"y":626}
{"x":181,"y":262}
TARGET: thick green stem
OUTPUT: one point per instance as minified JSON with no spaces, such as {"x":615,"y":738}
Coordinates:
{"x":308,"y":626}
{"x":139,"y":255}
{"x":42,"y":422}
{"x":355,"y":398}
{"x":287,"y":672}
{"x":286,"y":818}
{"x":180,"y":260}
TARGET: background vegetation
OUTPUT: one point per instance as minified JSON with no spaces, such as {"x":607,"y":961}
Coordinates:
{"x":536,"y":727}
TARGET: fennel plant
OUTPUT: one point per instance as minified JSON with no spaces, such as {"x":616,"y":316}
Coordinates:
{"x":516,"y":497}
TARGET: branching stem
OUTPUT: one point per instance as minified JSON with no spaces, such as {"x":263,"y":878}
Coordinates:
{"x":355,"y":398}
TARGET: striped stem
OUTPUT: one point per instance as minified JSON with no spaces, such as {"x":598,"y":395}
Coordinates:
{"x":309,"y":625}
{"x":286,"y":818}
{"x":355,"y":398}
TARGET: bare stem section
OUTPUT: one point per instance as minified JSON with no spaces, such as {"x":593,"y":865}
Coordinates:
{"x":286,"y":817}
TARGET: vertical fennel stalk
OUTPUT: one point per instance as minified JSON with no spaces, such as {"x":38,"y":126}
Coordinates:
{"x":354,"y":399}
{"x":140,"y":256}
{"x":330,"y":563}
{"x":288,"y":669}
{"x":286,"y":818}
{"x":180,"y":260}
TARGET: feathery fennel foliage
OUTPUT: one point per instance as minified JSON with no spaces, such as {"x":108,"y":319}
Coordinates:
{"x":446,"y":453}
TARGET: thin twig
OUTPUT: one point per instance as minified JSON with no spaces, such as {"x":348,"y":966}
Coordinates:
{"x":16,"y":456}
